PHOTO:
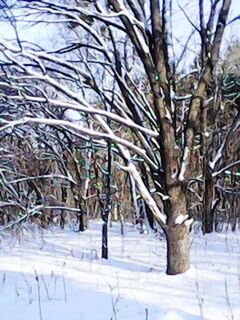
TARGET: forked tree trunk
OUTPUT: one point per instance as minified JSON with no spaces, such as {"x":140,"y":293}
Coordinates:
{"x":178,"y":260}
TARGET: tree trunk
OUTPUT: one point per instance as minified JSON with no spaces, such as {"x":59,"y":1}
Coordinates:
{"x":107,"y":205}
{"x":105,"y":240}
{"x":81,"y":226}
{"x":178,"y":260}
{"x":208,"y":198}
{"x":64,"y":200}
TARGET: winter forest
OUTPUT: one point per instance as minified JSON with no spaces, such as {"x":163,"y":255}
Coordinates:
{"x":120,"y":159}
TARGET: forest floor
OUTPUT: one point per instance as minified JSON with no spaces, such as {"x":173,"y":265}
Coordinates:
{"x":58,"y":275}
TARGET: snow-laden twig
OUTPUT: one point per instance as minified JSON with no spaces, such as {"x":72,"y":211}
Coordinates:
{"x":88,"y":110}
{"x":160,"y":217}
{"x":214,"y":174}
{"x":229,"y":305}
{"x":88,"y":131}
{"x":199,"y":296}
{"x":234,"y":126}
{"x":47,"y":176}
{"x":39,"y":295}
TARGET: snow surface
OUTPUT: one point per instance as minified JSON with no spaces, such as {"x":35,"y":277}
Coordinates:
{"x":55,"y":274}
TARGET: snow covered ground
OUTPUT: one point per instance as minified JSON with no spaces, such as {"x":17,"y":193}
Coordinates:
{"x":58,"y":275}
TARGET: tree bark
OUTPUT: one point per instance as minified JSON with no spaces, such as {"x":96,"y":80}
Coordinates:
{"x":178,"y":257}
{"x":81,"y":226}
{"x":105,"y":240}
{"x":208,"y":198}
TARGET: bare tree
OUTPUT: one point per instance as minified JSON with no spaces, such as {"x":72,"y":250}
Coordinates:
{"x":119,"y":68}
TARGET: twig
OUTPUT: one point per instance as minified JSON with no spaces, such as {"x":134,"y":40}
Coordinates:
{"x":39,"y":295}
{"x":227,"y":299}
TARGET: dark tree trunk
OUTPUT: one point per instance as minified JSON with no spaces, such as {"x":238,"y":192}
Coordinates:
{"x":106,"y":206}
{"x":81,"y":226}
{"x":105,"y":240}
{"x":208,"y":198}
{"x":64,"y":200}
{"x":150,"y":217}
